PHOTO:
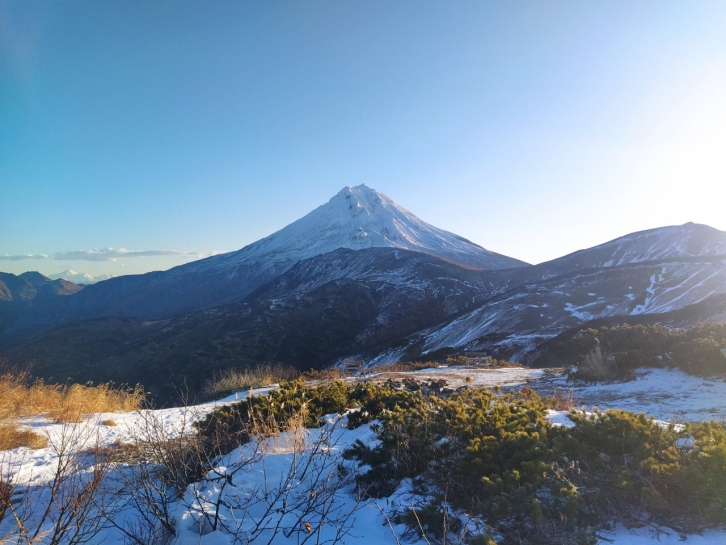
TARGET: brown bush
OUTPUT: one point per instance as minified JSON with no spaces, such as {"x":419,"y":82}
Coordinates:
{"x":563,"y":400}
{"x":323,"y":374}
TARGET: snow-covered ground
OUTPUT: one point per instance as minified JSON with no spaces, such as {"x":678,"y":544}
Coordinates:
{"x":299,"y":483}
{"x":293,"y":494}
{"x":478,"y":377}
{"x":665,"y":394}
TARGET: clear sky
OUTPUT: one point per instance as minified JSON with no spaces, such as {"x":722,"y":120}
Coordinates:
{"x":138,"y":135}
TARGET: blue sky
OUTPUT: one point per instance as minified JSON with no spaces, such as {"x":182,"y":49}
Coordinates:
{"x":175,"y":129}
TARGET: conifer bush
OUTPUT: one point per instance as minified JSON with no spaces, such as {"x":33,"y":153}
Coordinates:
{"x":494,"y":458}
{"x":696,"y":350}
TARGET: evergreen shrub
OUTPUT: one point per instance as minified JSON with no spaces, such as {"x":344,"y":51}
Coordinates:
{"x":494,"y":458}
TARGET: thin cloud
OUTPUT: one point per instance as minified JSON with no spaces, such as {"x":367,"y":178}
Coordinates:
{"x":21,"y":257}
{"x":107,"y":254}
{"x":200,"y":255}
{"x":110,"y":254}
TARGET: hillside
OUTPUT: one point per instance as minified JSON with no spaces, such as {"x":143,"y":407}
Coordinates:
{"x":345,"y":301}
{"x":653,"y":272}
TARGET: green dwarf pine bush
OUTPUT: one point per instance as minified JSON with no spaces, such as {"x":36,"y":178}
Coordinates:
{"x":495,"y":457}
{"x":695,"y":350}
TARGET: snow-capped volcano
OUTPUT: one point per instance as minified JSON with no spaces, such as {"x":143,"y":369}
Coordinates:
{"x":358,"y":218}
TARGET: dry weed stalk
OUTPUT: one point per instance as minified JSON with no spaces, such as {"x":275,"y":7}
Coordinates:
{"x":563,"y":400}
{"x":305,"y":503}
{"x":167,"y":469}
{"x":597,"y":365}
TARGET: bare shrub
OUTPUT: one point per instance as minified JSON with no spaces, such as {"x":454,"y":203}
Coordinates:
{"x":66,"y":506}
{"x":152,"y":473}
{"x":563,"y":400}
{"x":230,"y":381}
{"x":163,"y":469}
{"x":307,"y":502}
{"x":12,"y":436}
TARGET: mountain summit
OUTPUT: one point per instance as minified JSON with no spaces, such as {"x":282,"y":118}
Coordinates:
{"x":358,"y":218}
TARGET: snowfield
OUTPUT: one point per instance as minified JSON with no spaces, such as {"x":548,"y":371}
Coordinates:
{"x":296,"y":488}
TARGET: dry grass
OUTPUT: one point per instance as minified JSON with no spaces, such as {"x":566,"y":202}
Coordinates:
{"x":597,"y":365}
{"x":11,"y":436}
{"x":21,"y":396}
{"x":109,"y":423}
{"x":237,"y":380}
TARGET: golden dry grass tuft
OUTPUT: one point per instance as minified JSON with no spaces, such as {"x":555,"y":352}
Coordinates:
{"x":11,"y":436}
{"x":597,"y":365}
{"x":230,"y":381}
{"x":20,"y":396}
{"x":109,"y":423}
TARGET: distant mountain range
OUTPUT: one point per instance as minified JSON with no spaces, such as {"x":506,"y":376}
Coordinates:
{"x":357,"y":277}
{"x":79,"y":278}
{"x":30,"y":286}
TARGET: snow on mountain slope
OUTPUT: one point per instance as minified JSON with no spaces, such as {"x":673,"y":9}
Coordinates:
{"x":650,"y":272}
{"x":358,"y":218}
{"x":517,"y":321}
{"x":675,"y":242}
